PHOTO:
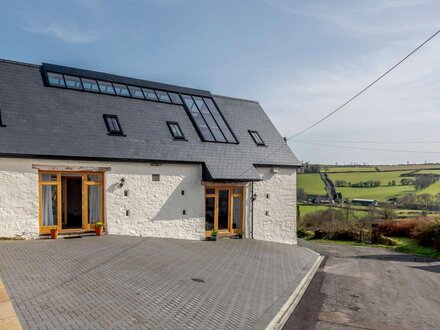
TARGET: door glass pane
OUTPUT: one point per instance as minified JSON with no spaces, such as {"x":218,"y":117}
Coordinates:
{"x":94,"y":202}
{"x":49,"y":205}
{"x":210,"y":206}
{"x":94,"y":178}
{"x":223,"y":208}
{"x":237,"y":191}
{"x":236,"y":213}
{"x":210,"y":191}
{"x":48,"y":177}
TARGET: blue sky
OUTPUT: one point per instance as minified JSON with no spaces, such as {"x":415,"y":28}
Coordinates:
{"x":299,"y":59}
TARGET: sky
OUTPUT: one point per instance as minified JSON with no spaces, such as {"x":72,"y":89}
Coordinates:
{"x":299,"y":59}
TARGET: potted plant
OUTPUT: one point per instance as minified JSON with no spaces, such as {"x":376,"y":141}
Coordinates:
{"x":214,"y":234}
{"x":99,"y":226}
{"x":240,"y":234}
{"x":54,"y":233}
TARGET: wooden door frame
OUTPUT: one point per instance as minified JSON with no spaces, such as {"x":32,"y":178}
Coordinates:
{"x":231,"y":196}
{"x":59,"y":183}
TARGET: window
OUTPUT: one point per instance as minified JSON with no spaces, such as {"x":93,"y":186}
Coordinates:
{"x":55,"y":79}
{"x":1,"y":123}
{"x":150,"y":94}
{"x":209,"y":119}
{"x":205,"y":132}
{"x":136,"y":92}
{"x":113,"y":125}
{"x":175,"y":130}
{"x":220,"y":121}
{"x":175,"y":98}
{"x":73,"y":82}
{"x":106,"y":87}
{"x":90,"y":85}
{"x":121,"y":90}
{"x":256,"y":137}
{"x":163,"y":96}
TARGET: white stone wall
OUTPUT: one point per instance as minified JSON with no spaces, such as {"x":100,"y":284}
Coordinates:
{"x":155,"y":208}
{"x":279,"y":225}
{"x":18,"y":199}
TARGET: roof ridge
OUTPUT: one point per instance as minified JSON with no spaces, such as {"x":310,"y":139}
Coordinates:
{"x":235,"y":98}
{"x":3,"y":60}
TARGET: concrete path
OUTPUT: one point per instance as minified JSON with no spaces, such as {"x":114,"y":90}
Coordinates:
{"x":370,"y":288}
{"x":115,"y":282}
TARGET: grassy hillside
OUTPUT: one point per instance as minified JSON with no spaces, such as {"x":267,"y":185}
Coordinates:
{"x":311,"y":183}
{"x":338,"y":169}
{"x":381,"y":193}
{"x":383,"y":177}
{"x":433,"y":189}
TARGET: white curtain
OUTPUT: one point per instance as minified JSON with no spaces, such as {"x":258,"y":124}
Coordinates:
{"x":49,"y":200}
{"x":94,"y":204}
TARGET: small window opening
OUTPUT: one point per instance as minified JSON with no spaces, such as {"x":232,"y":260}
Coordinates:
{"x":126,"y":193}
{"x":156,"y":177}
{"x":127,"y":213}
{"x":183,"y":192}
{"x":257,"y":139}
{"x":113,"y":125}
{"x":175,"y":130}
{"x":184,"y":212}
{"x":1,"y":122}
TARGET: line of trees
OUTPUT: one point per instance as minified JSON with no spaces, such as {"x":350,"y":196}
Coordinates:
{"x":362,"y":184}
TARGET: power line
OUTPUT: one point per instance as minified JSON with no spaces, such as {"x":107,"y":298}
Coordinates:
{"x":366,"y":88}
{"x":370,"y":149}
{"x":343,"y":105}
{"x":369,"y":142}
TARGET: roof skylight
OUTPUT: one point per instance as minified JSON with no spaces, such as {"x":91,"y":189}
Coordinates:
{"x":257,"y":138}
{"x":90,"y":85}
{"x":175,"y":130}
{"x":73,"y":82}
{"x":121,"y":90}
{"x":56,"y":79}
{"x":163,"y":96}
{"x":113,"y":125}
{"x":106,"y":87}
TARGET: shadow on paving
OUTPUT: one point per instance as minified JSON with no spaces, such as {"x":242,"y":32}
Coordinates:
{"x":395,"y":257}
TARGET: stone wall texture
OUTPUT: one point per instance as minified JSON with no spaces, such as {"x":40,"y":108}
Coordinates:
{"x":171,"y":207}
{"x":275,"y":206}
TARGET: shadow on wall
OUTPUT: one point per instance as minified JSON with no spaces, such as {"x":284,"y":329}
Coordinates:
{"x":166,"y":203}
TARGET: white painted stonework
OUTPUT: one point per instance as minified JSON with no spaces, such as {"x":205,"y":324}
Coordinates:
{"x":279,"y":224}
{"x":155,"y":208}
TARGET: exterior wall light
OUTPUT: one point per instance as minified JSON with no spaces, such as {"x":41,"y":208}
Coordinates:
{"x":254,"y":197}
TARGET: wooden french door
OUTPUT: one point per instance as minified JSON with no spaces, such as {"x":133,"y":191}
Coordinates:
{"x":224,"y":209}
{"x":53,"y":199}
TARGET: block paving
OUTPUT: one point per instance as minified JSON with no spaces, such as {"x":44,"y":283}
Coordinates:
{"x":117,"y":282}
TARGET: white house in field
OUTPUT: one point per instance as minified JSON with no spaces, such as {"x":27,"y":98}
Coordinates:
{"x":145,"y":158}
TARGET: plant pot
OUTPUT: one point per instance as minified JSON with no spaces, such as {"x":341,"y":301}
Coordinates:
{"x":54,"y":233}
{"x":98,"y":230}
{"x":213,"y":237}
{"x":240,"y":236}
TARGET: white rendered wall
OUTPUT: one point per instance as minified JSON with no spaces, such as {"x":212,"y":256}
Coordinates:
{"x":279,"y":224}
{"x":155,"y":208}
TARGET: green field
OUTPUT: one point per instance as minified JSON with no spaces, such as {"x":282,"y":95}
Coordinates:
{"x":381,"y":194}
{"x":338,"y":169}
{"x":437,"y":172}
{"x":410,"y":167}
{"x":311,"y":183}
{"x":383,"y":177}
{"x":433,"y":189}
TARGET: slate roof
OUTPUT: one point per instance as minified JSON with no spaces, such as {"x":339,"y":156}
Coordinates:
{"x":50,"y":122}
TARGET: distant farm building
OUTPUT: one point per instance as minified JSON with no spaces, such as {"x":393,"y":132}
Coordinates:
{"x":364,"y":202}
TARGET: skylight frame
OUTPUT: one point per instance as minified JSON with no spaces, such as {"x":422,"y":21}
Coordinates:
{"x":175,"y":98}
{"x":209,"y":119}
{"x":197,"y":119}
{"x":150,"y":91}
{"x":94,"y":82}
{"x":48,"y":76}
{"x":257,"y":138}
{"x":133,"y":89}
{"x":106,"y":84}
{"x":179,"y":135}
{"x":68,"y":77}
{"x":113,"y":119}
{"x":163,"y":93}
{"x":122,"y":87}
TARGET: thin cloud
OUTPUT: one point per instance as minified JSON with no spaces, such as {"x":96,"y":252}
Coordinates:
{"x":66,"y":32}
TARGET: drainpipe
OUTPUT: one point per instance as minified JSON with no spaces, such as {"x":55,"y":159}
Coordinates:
{"x":252,"y":210}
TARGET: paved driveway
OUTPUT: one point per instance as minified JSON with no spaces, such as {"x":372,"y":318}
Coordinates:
{"x":114,"y":282}
{"x":370,"y":288}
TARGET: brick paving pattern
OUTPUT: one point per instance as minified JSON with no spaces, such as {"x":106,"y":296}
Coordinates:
{"x":116,"y":282}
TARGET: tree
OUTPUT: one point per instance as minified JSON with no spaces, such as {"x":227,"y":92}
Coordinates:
{"x":301,"y":194}
{"x":424,"y":199}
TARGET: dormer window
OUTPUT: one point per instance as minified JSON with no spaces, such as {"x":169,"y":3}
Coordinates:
{"x":175,"y":130}
{"x":113,"y":125}
{"x":257,"y":139}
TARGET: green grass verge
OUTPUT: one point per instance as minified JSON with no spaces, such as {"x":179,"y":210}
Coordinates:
{"x":404,"y":245}
{"x":311,"y":183}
